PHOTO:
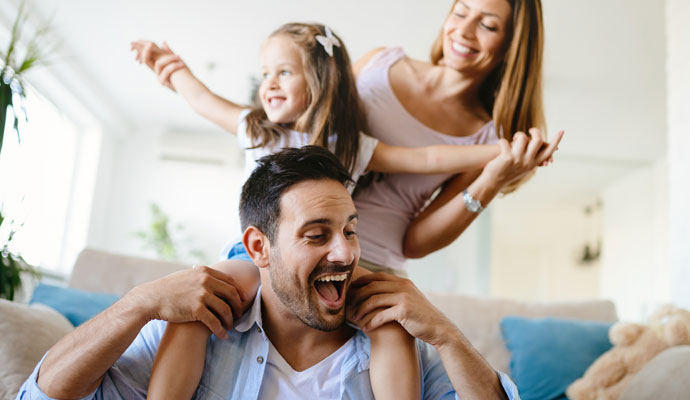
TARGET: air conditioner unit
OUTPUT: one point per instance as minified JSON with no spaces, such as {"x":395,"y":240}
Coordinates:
{"x":200,"y":147}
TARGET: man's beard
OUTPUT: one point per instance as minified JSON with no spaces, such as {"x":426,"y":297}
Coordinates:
{"x":302,"y":301}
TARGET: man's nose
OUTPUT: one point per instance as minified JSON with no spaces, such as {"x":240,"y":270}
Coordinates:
{"x":342,"y":250}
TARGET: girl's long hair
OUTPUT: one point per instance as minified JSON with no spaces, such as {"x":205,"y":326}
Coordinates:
{"x":512,"y":93}
{"x":333,"y":103}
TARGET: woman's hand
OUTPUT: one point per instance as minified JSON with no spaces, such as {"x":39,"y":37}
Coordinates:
{"x":521,"y":156}
{"x":161,"y":60}
{"x":381,"y":298}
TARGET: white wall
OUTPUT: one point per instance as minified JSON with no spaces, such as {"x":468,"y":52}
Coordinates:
{"x":535,"y":252}
{"x":203,"y":198}
{"x":635,"y":271}
{"x":678,"y":69}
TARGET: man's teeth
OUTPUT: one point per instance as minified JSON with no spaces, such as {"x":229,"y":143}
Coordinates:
{"x":329,"y":278}
{"x":461,"y":49}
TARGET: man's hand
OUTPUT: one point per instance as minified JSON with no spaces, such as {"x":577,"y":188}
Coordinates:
{"x":198,"y":294}
{"x":381,"y":298}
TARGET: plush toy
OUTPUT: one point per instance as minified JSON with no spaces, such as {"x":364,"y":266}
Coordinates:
{"x":633,"y":346}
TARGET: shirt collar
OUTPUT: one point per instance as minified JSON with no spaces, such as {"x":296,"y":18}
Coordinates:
{"x":253,"y":316}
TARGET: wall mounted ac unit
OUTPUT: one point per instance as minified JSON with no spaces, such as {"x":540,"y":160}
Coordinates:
{"x":200,"y":147}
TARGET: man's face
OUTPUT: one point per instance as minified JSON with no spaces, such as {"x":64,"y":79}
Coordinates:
{"x":315,"y":252}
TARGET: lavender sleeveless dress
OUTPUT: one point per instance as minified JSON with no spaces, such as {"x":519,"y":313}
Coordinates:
{"x":387,"y":207}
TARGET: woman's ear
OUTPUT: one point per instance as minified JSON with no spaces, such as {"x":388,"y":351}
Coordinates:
{"x":257,"y":246}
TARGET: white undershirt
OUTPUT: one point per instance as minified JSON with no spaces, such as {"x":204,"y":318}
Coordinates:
{"x":321,"y":381}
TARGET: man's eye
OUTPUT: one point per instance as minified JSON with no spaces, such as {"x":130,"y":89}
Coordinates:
{"x":315,"y":237}
{"x":351,"y":234}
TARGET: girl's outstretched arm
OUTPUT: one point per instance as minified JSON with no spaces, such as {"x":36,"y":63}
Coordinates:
{"x":180,"y":358}
{"x":173,"y":73}
{"x":393,"y":365}
{"x":439,"y":159}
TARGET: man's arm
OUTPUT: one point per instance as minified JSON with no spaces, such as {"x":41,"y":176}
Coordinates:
{"x":381,"y":298}
{"x":75,"y":366}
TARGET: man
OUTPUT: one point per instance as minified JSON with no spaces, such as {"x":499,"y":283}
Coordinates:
{"x":300,"y":225}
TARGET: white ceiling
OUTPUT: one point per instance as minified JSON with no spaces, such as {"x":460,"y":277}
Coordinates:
{"x":605,"y":61}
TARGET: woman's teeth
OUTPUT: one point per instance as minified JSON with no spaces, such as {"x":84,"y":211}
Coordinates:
{"x":462,"y":49}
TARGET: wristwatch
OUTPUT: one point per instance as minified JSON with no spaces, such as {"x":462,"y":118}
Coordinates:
{"x":471,"y":203}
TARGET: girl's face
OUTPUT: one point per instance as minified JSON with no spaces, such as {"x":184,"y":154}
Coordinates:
{"x":476,"y":35}
{"x":283,"y":89}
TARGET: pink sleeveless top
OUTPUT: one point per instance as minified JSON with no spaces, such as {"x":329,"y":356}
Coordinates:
{"x":388,"y":206}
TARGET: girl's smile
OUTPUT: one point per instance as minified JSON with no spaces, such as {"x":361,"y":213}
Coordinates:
{"x":283,"y":89}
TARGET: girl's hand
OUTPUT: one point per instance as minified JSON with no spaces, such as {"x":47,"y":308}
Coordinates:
{"x":521,"y":156}
{"x":381,"y":298}
{"x":161,"y":60}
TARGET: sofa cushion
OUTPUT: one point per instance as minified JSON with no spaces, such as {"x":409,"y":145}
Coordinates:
{"x":26,"y":333}
{"x":663,"y":377}
{"x":479,"y":317}
{"x":77,"y":305}
{"x":548,"y":354}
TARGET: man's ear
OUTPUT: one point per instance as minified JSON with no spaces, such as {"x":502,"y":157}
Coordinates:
{"x":257,"y":246}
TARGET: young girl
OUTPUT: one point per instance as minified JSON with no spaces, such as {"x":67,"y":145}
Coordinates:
{"x":307,"y":96}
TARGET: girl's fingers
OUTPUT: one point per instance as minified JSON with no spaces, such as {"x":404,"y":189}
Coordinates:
{"x":163,"y":62}
{"x":535,"y":143}
{"x":164,"y":77}
{"x":547,"y":153}
{"x":374,"y":302}
{"x":519,"y":144}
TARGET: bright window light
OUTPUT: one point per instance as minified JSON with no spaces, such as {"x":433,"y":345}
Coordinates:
{"x":36,"y":180}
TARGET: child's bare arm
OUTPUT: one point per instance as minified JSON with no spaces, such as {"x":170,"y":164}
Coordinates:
{"x":180,"y":358}
{"x":393,"y":366}
{"x":438,"y":159}
{"x":173,"y":73}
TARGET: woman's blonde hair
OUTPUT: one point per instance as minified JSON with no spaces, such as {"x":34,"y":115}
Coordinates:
{"x":512,"y":93}
{"x":333,"y":103}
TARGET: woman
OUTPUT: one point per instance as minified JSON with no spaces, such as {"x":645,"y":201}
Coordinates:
{"x":485,"y":72}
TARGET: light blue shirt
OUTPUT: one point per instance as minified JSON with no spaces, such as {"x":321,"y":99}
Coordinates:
{"x":234,"y":368}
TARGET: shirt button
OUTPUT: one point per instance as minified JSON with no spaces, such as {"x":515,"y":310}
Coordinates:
{"x":260,"y":359}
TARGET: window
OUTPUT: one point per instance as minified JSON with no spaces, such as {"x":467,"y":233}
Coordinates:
{"x":36,"y":181}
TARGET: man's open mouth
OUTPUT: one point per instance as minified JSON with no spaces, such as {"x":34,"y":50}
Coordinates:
{"x":331,"y":289}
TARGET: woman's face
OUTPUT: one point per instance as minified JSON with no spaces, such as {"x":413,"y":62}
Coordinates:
{"x":476,"y":35}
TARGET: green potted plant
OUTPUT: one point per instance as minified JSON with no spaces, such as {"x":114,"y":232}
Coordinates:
{"x":12,"y":90}
{"x":11,"y":81}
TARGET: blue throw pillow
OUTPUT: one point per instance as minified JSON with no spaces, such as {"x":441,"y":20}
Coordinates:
{"x":76,"y":305}
{"x":548,"y":354}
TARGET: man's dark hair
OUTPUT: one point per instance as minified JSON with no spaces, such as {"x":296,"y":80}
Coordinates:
{"x":276,"y":173}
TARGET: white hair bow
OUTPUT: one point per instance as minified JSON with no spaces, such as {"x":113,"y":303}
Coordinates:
{"x":328,"y":41}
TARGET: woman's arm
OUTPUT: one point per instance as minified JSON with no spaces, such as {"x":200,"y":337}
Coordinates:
{"x":431,"y":159}
{"x":447,"y":216}
{"x":173,"y":73}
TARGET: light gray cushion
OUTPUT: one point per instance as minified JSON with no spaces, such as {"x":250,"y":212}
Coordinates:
{"x":665,"y":377}
{"x":479,"y":318}
{"x":26,"y":333}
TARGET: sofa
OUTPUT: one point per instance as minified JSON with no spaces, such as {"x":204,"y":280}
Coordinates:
{"x":27,"y":331}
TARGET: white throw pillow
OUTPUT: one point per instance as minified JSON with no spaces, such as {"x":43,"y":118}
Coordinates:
{"x":26,"y":333}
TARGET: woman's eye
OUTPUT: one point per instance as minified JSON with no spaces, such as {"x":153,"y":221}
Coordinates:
{"x":315,"y":237}
{"x":489,"y":27}
{"x":459,"y":15}
{"x":285,"y":73}
{"x":350,"y":234}
{"x":264,"y":75}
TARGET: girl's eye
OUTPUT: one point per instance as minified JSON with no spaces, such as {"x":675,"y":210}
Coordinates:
{"x":284,"y":73}
{"x":264,"y":75}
